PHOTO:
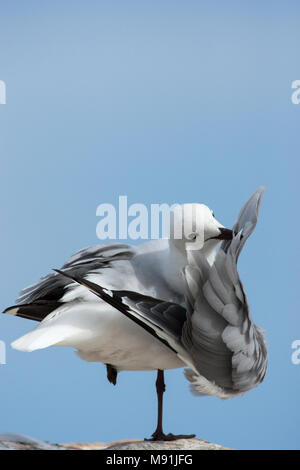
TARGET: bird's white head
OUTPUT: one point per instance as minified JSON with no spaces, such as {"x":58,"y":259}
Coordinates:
{"x":194,"y":227}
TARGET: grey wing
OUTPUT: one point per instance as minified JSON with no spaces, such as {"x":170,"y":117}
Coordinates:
{"x":247,"y":219}
{"x":227,"y":348}
{"x":37,"y":301}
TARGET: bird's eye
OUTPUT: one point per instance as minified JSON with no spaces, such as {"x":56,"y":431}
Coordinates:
{"x":212,"y":213}
{"x":192,"y":236}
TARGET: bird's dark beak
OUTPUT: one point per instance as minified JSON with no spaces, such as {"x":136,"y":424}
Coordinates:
{"x":226,"y":234}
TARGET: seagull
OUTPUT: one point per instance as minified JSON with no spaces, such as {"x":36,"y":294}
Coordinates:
{"x":214,"y":334}
{"x":69,"y":314}
{"x":156,"y":307}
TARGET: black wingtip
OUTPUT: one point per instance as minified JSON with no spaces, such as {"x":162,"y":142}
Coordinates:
{"x":7,"y":309}
{"x":12,"y":310}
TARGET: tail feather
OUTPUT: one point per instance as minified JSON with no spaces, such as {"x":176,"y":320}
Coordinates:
{"x":40,"y":338}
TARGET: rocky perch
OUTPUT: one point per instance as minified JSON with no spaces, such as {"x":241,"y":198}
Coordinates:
{"x":21,"y":442}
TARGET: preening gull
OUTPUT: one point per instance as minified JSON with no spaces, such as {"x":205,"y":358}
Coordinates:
{"x":155,"y":307}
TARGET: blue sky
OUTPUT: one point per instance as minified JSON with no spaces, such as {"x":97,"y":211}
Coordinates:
{"x":162,"y":102}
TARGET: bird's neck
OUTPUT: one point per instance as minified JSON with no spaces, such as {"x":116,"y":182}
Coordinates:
{"x":209,"y":250}
{"x":175,"y":262}
{"x":178,"y":259}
